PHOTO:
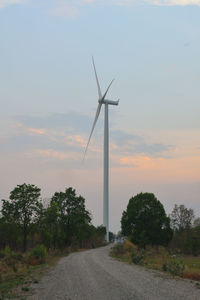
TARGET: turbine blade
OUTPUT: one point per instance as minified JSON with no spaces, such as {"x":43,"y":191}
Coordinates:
{"x":93,"y":126}
{"x":99,"y":89}
{"x":107,"y":90}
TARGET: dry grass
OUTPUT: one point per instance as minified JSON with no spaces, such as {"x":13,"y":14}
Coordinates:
{"x":156,"y":258}
{"x":17,"y":272}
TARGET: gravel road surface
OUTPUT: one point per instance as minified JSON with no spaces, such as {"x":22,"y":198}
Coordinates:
{"x":93,"y":275}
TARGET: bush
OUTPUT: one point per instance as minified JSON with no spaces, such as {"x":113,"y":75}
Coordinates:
{"x":7,"y":250}
{"x":2,"y":254}
{"x":39,"y":253}
{"x":192,"y":276}
{"x":175,"y":266}
{"x":137,"y":256}
{"x":128,"y":246}
{"x":117,"y":249}
{"x":16,"y":256}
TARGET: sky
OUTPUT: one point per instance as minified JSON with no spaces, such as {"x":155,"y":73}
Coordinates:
{"x":48,"y":99}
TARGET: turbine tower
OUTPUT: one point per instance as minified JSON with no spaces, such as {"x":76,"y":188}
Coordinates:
{"x":106,"y":103}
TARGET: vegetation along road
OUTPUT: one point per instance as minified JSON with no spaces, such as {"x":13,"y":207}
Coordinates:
{"x":94,"y":275}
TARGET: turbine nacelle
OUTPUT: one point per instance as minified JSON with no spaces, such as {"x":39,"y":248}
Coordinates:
{"x":111,"y":102}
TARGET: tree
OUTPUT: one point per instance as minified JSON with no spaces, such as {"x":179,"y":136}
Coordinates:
{"x":196,"y":222}
{"x":145,"y":221}
{"x":181,"y":218}
{"x":23,"y":208}
{"x":72,"y":213}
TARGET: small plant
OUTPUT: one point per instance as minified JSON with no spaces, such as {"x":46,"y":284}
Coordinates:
{"x":7,"y":250}
{"x":117,"y":250}
{"x":128,"y":246}
{"x":15,"y":269}
{"x":35,"y":281}
{"x":137,"y":256}
{"x":164,"y":267}
{"x":16,"y":256}
{"x":39,"y":253}
{"x":175,"y":266}
{"x":197,"y":285}
{"x":25,"y":289}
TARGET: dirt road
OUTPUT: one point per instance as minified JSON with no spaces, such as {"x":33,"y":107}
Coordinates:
{"x":93,"y":275}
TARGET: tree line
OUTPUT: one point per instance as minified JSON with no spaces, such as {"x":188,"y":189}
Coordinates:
{"x":25,"y":222}
{"x":145,"y":222}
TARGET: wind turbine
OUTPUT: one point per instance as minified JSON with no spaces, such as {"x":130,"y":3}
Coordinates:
{"x":106,"y":102}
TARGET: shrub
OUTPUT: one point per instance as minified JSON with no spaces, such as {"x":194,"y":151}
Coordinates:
{"x":38,"y":253}
{"x":117,"y":249}
{"x":2,"y":254}
{"x":175,"y":266}
{"x":137,"y":256}
{"x":192,"y":276}
{"x":16,"y":256}
{"x":128,"y":246}
{"x":7,"y":250}
{"x":25,"y":289}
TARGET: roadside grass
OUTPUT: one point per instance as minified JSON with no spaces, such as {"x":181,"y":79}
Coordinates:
{"x":159,"y":258}
{"x":16,"y":275}
{"x":192,"y":267}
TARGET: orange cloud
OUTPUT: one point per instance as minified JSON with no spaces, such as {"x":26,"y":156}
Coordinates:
{"x":53,"y":154}
{"x":78,"y":139}
{"x":37,"y":131}
{"x":157,"y":170}
{"x":140,"y":161}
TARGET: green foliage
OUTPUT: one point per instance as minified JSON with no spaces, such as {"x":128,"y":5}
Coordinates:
{"x":22,"y":208}
{"x":65,"y":222}
{"x":7,"y":250}
{"x":145,"y":221}
{"x":175,"y":266}
{"x":137,"y":256}
{"x":39,"y":253}
{"x":71,"y":214}
{"x":10,"y":255}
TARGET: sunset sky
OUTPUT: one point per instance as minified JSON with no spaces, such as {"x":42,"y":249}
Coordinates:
{"x":48,"y":99}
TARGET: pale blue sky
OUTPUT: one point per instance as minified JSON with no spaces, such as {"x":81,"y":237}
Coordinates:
{"x":48,"y":98}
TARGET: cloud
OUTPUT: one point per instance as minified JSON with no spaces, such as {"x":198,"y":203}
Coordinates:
{"x":69,"y":132}
{"x":4,"y":3}
{"x":65,"y":10}
{"x":129,"y":144}
{"x":157,"y":2}
{"x":174,"y":2}
{"x":69,"y":9}
{"x":71,"y":121}
{"x":89,"y":1}
{"x":154,"y":2}
{"x":53,"y":154}
{"x":141,"y":161}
